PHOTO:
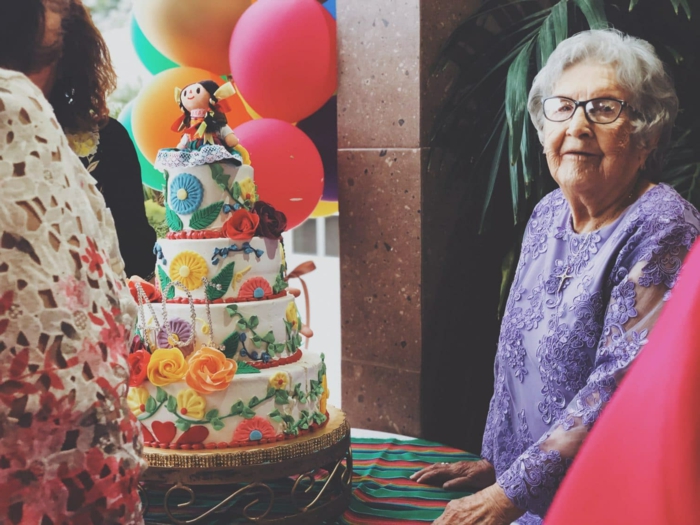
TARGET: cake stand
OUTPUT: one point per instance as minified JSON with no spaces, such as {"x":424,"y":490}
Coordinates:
{"x":305,"y":481}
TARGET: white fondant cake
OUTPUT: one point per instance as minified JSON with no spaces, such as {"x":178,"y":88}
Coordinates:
{"x":220,"y":363}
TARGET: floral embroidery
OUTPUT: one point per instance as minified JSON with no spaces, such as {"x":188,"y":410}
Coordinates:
{"x":254,"y":429}
{"x":92,"y":258}
{"x":185,"y":194}
{"x":574,"y":322}
{"x":189,"y":268}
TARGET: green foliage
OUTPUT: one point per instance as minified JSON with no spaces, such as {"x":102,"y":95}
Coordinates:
{"x":486,"y":107}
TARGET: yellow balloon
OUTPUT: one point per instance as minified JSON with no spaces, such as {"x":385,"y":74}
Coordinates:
{"x":194,"y":34}
{"x":324,"y":209}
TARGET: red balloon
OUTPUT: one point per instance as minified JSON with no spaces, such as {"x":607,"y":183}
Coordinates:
{"x":288,"y":167}
{"x":284,"y":58}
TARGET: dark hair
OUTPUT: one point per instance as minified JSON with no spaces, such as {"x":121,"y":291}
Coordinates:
{"x":22,"y":34}
{"x":214,"y":122}
{"x":85,"y":76}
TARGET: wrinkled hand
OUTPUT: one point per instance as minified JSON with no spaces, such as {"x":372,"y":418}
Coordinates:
{"x":490,"y":506}
{"x":462,"y":475}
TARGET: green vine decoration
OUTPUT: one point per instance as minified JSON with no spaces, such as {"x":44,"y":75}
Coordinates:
{"x":280,"y":283}
{"x":234,"y":190}
{"x":232,"y":342}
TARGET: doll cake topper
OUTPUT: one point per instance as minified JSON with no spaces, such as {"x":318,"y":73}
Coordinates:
{"x":204,"y":117}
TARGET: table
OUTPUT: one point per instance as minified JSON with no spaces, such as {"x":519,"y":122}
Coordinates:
{"x":383,"y":494}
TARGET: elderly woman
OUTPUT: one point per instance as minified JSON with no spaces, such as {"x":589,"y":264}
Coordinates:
{"x":599,"y":257}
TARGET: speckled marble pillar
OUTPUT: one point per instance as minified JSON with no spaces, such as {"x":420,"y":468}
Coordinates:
{"x":389,"y":233}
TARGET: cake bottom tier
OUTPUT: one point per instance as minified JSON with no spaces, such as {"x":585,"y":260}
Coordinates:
{"x":264,"y":406}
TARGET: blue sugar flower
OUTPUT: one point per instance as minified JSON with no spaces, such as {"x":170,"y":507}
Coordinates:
{"x":186,"y":194}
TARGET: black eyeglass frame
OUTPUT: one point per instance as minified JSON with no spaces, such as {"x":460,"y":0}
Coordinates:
{"x":583,"y":103}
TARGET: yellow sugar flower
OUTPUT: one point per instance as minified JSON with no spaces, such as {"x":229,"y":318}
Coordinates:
{"x":279,"y":381}
{"x":323,"y":403}
{"x":137,"y":399}
{"x":191,"y":404}
{"x":292,"y":315}
{"x":167,"y":365}
{"x":248,"y":190}
{"x":189,"y":268}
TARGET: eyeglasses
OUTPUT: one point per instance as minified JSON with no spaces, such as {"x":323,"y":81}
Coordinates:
{"x":597,"y":110}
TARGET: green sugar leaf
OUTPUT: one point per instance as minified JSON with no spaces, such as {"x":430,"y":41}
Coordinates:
{"x":232,"y":310}
{"x":212,"y":414}
{"x":231,"y":346}
{"x":253,"y":402}
{"x":245,"y":368}
{"x":221,"y":178}
{"x":269,"y":337}
{"x":183,"y":425}
{"x":237,"y":408}
{"x":281,"y":397}
{"x":248,"y":413}
{"x":203,"y":217}
{"x":217,"y":424}
{"x":223,"y":278}
{"x":161,"y":395}
{"x":174,"y":221}
{"x":151,"y":405}
{"x":254,"y":322}
{"x":164,"y":282}
{"x":172,"y":404}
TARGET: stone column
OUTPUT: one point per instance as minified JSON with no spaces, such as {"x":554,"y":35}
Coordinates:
{"x":401,"y":246}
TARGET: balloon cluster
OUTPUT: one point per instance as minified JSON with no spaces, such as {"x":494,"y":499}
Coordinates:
{"x":282,"y":60}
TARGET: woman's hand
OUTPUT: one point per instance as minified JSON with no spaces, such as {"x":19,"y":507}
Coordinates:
{"x":490,"y":506}
{"x":463,"y":475}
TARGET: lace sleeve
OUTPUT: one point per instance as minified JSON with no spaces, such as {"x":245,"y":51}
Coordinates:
{"x":635,"y":302}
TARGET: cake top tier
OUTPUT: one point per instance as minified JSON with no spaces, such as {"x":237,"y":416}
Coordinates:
{"x":210,"y":190}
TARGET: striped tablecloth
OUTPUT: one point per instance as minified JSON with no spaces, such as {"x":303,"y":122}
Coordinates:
{"x":383,"y":494}
{"x":382,"y":490}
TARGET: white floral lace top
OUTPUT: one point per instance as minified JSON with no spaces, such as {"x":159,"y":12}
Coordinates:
{"x":70,"y":448}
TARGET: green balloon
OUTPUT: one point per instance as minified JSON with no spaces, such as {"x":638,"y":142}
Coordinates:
{"x":153,"y":59}
{"x":149,"y":175}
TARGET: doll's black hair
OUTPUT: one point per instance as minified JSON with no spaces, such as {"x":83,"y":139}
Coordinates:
{"x":214,"y":122}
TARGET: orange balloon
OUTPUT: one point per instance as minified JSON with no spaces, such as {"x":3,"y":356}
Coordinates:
{"x":155,"y":109}
{"x":193,"y":34}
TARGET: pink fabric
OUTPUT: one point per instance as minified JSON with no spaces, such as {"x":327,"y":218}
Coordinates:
{"x":641,"y":463}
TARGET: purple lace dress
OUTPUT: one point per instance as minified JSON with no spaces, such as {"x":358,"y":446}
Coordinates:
{"x":579,"y":311}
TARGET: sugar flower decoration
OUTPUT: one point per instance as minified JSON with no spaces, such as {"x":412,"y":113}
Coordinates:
{"x":185,"y":193}
{"x":323,"y":403}
{"x":292,"y":315}
{"x":248,"y":190}
{"x":137,"y":399}
{"x":254,"y":429}
{"x":210,"y":371}
{"x":191,"y":404}
{"x":279,"y":381}
{"x":180,"y":331}
{"x":255,"y":288}
{"x":189,"y":267}
{"x":167,"y":365}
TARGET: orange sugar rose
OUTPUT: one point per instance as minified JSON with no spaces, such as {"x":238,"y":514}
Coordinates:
{"x":210,"y":371}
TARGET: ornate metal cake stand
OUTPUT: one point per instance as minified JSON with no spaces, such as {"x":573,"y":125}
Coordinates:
{"x":301,"y":482}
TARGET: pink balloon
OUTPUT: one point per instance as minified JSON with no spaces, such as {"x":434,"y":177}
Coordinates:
{"x":288,"y":167}
{"x":284,"y":58}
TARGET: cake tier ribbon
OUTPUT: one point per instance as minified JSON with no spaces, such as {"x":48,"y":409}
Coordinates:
{"x":296,"y":273}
